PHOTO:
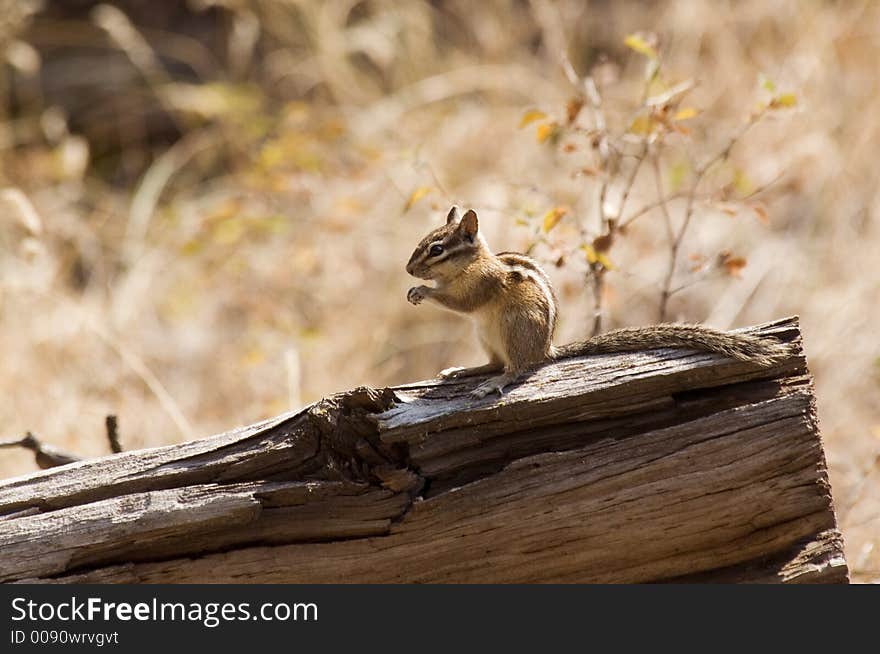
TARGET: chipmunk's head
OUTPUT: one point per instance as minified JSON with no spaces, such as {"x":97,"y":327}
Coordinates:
{"x":445,"y":252}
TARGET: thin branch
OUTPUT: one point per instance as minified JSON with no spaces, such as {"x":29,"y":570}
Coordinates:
{"x":630,"y":182}
{"x":651,"y":206}
{"x":658,"y":181}
{"x":46,"y":456}
{"x":598,"y":278}
{"x":436,"y":179}
{"x":591,"y":91}
{"x":722,"y":155}
{"x":113,"y":434}
{"x":665,"y":200}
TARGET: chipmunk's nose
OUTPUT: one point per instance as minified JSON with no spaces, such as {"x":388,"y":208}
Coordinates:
{"x":410,"y":267}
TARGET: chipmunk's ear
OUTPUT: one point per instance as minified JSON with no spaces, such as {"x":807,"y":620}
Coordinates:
{"x":453,"y":216}
{"x":469,"y":225}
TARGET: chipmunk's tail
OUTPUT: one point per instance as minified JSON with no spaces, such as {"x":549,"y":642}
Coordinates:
{"x":743,"y":347}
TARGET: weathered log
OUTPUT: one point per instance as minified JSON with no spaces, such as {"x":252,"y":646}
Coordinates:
{"x":663,"y":465}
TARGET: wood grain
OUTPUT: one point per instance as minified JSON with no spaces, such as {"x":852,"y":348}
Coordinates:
{"x":663,"y":465}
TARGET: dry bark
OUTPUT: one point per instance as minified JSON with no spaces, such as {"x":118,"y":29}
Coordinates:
{"x":663,"y":465}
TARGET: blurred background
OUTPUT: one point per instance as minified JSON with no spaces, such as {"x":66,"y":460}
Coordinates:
{"x":206,"y":207}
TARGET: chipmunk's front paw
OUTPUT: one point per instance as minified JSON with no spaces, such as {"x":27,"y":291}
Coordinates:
{"x":417,"y":293}
{"x":451,"y":373}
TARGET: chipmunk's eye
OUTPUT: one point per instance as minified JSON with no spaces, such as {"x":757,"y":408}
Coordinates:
{"x":436,"y":250}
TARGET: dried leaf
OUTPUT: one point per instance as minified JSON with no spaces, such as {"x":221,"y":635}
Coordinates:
{"x":573,"y":108}
{"x":552,"y":217}
{"x":761,"y":213}
{"x":729,"y":209}
{"x":732,"y":265}
{"x":531,"y":116}
{"x":603,"y":243}
{"x":22,"y":208}
{"x":415,"y":196}
{"x":685,"y":113}
{"x":639,"y":43}
{"x":699,"y":262}
{"x":664,"y":94}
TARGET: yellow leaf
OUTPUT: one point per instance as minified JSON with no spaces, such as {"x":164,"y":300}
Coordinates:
{"x":592,"y":257}
{"x":545,"y":131}
{"x":552,"y":217}
{"x":415,"y":196}
{"x":531,"y":116}
{"x":605,"y":261}
{"x":785,"y":100}
{"x":191,"y":248}
{"x":767,"y":83}
{"x":642,"y":125}
{"x":685,"y":113}
{"x":741,"y":182}
{"x":254,"y":356}
{"x":229,"y":231}
{"x":677,"y":175}
{"x":638,"y":43}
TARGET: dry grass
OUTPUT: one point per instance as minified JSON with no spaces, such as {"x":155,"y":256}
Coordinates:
{"x":256,"y":263}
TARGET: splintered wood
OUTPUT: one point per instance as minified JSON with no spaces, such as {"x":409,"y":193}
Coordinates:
{"x":663,"y":465}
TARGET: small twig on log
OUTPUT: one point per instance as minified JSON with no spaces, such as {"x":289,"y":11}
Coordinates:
{"x":113,"y":434}
{"x":46,"y":456}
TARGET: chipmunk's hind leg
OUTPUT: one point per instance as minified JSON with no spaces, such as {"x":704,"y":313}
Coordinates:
{"x":523,"y":350}
{"x":496,"y":364}
{"x":494,"y":385}
{"x":455,"y":373}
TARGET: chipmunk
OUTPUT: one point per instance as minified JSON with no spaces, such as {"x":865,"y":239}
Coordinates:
{"x":511,"y":301}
